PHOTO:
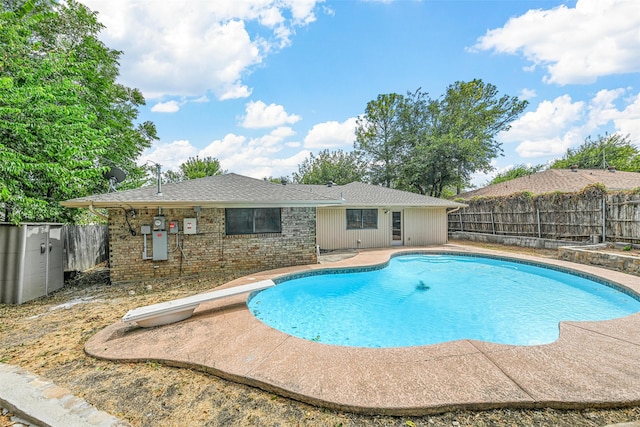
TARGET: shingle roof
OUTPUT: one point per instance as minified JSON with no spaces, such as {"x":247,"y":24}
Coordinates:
{"x":237,"y":190}
{"x":361,"y":194}
{"x":563,"y":180}
{"x":222,"y":190}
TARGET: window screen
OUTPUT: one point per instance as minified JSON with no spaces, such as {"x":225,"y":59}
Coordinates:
{"x":252,"y":220}
{"x":362,"y":219}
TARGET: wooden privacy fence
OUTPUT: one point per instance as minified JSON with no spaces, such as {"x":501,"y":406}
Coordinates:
{"x":590,"y":215}
{"x":84,"y":246}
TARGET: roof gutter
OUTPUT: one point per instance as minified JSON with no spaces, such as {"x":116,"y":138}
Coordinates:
{"x":148,"y":204}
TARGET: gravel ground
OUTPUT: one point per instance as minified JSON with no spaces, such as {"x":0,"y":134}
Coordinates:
{"x":47,"y":337}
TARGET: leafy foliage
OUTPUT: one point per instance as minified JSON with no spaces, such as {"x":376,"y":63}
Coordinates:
{"x":195,"y":167}
{"x":379,"y":137}
{"x":63,"y":119}
{"x":517,"y":171}
{"x":429,"y":145}
{"x":609,"y":150}
{"x":338,"y":167}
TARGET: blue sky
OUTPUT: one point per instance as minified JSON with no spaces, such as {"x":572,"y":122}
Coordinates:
{"x":261,"y":84}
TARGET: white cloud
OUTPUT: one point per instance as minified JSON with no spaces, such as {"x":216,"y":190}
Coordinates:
{"x":574,"y":45}
{"x":549,"y":119}
{"x":170,"y":155}
{"x":602,"y":108}
{"x":225,"y":147}
{"x":527,"y":93}
{"x":166,"y":107}
{"x":257,"y":157}
{"x":272,"y":141}
{"x":480,"y":179}
{"x":283,"y":132}
{"x":549,"y":130}
{"x":260,"y":115}
{"x":331,"y":135}
{"x":186,"y":48}
{"x":250,"y":164}
{"x":201,"y":99}
{"x":554,"y":126}
{"x":627,"y":121}
{"x":549,"y":146}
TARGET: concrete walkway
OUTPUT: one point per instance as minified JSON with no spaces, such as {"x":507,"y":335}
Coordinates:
{"x":591,"y":364}
{"x":40,"y":402}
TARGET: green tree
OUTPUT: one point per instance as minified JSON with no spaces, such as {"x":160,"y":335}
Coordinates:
{"x":378,"y":138}
{"x":433,"y":146}
{"x":608,"y":150}
{"x":277,"y":180}
{"x":63,"y":119}
{"x":337,"y":166}
{"x":195,"y":167}
{"x":460,"y":136}
{"x":517,"y":171}
{"x":425,"y":160}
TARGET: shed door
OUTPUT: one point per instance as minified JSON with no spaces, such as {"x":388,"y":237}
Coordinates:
{"x":396,"y":228}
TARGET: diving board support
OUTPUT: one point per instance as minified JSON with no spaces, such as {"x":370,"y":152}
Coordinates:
{"x":173,"y":311}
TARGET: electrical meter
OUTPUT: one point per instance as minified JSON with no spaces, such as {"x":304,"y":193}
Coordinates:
{"x":159,"y":223}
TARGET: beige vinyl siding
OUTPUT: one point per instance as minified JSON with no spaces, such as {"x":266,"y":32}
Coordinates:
{"x":421,"y":227}
{"x":332,"y":231}
{"x":425,"y":226}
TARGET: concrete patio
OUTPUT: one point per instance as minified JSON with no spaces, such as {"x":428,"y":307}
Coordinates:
{"x":592,"y":364}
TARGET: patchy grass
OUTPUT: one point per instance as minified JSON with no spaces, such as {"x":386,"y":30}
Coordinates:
{"x":47,"y":337}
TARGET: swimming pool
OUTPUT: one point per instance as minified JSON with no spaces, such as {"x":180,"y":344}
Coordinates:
{"x":427,"y":299}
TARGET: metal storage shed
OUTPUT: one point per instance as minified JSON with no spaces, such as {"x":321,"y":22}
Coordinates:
{"x":31,"y":261}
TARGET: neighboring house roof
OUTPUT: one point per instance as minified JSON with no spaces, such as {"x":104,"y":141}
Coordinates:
{"x":363,"y":195}
{"x":563,"y":180}
{"x":232,"y":190}
{"x":228,"y":190}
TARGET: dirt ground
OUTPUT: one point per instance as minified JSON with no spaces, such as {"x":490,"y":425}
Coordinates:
{"x":623,"y":250}
{"x":47,"y":337}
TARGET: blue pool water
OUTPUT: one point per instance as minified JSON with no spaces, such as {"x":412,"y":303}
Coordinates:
{"x":428,"y":299}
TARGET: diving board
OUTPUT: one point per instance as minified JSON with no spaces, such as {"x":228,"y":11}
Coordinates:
{"x":167,"y":312}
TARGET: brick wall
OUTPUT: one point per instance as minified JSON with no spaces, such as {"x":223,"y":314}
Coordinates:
{"x":209,"y":251}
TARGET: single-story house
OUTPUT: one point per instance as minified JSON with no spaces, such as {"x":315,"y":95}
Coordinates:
{"x":561,"y":180}
{"x":232,"y":224}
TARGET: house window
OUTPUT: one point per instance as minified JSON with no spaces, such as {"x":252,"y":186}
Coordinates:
{"x":252,"y":220}
{"x":358,"y":219}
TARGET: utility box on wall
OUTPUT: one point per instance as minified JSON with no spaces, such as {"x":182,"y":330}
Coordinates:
{"x":160,"y":246}
{"x":190,"y":226}
{"x":31,"y":261}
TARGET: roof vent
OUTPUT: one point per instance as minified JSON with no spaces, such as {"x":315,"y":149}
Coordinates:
{"x":612,"y":169}
{"x":574,"y":168}
{"x":330,"y":184}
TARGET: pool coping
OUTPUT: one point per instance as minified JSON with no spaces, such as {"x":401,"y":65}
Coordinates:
{"x":592,"y":364}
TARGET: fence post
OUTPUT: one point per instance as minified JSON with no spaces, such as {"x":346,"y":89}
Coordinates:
{"x":460,"y":217}
{"x":493,"y":224}
{"x":604,"y":218}
{"x":538,"y":215}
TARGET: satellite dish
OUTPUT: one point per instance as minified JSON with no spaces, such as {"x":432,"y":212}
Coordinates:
{"x":114,"y":175}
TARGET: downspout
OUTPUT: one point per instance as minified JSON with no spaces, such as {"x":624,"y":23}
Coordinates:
{"x":95,"y":212}
{"x":454,"y":210}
